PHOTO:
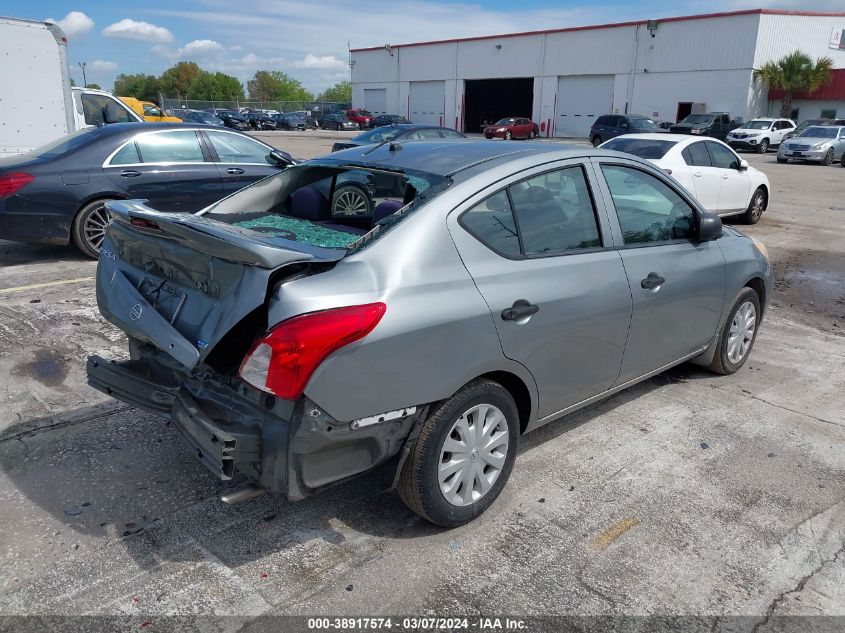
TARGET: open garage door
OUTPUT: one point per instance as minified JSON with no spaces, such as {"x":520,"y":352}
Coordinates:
{"x":375,"y":100}
{"x":428,"y":102}
{"x":580,"y":101}
{"x":488,"y":100}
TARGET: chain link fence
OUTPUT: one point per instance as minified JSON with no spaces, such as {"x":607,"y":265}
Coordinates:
{"x":169,"y":104}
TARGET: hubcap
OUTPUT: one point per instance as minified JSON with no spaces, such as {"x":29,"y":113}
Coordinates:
{"x":473,"y":455}
{"x":94,"y":228}
{"x":350,"y":202}
{"x":742,"y":332}
{"x":757,"y":206}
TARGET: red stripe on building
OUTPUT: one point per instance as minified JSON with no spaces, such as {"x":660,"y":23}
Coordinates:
{"x":834,"y":91}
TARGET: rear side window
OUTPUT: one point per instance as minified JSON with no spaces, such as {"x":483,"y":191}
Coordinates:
{"x":547,"y":214}
{"x":721,"y":156}
{"x":127,"y":155}
{"x":696,"y":155}
{"x":170,"y":147}
{"x":491,"y":222}
{"x":644,"y":148}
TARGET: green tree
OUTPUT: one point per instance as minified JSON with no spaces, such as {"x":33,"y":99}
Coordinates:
{"x":794,"y":73}
{"x":72,"y":82}
{"x":276,"y":86}
{"x":215,"y":86}
{"x":177,"y":79}
{"x":140,"y":86}
{"x":341,"y":92}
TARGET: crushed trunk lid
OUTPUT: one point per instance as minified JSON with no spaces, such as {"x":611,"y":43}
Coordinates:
{"x":182,"y":282}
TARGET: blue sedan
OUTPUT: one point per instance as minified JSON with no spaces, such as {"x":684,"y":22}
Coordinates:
{"x":56,"y":194}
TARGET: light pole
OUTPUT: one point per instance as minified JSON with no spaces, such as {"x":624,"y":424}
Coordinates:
{"x":84,"y":78}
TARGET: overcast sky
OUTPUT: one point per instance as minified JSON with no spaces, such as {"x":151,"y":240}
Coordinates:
{"x":308,"y":39}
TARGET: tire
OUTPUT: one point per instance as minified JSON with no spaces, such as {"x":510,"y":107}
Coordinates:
{"x":842,"y":160}
{"x":597,"y":141}
{"x":508,"y":135}
{"x":828,"y":158}
{"x":351,"y":201}
{"x":89,"y":228}
{"x":531,"y":135}
{"x":450,"y":503}
{"x":763,"y":147}
{"x":729,"y":358}
{"x":755,"y":207}
{"x":783,"y":160}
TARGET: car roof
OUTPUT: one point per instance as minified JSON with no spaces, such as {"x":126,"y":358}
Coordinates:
{"x":657,"y":136}
{"x":448,"y":157}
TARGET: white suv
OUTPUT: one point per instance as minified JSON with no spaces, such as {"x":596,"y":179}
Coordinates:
{"x":760,"y":134}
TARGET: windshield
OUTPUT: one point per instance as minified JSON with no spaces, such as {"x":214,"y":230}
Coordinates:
{"x":379,"y":134}
{"x":705,"y":119}
{"x":505,"y":122}
{"x":756,"y":125}
{"x":818,"y":131}
{"x":643,"y":124}
{"x":328,"y":204}
{"x":64,"y":144}
{"x":644,"y":148}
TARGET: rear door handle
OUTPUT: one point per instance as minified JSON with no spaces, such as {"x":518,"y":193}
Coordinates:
{"x":130,"y":173}
{"x":652,"y":282}
{"x":234,"y":171}
{"x":520,"y":309}
{"x":724,"y":176}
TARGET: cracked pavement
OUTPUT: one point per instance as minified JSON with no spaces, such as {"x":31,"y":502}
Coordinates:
{"x":690,"y":494}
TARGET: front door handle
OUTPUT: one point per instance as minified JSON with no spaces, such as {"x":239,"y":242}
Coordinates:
{"x":697,"y":174}
{"x":234,"y":171}
{"x":652,"y":282}
{"x":130,"y":173}
{"x":520,"y":309}
{"x":724,"y":176}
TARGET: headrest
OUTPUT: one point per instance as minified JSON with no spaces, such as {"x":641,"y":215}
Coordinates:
{"x":385,"y":208}
{"x":309,"y":204}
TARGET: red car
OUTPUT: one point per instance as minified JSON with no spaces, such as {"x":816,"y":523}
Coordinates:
{"x":363,"y":118}
{"x":512,"y":127}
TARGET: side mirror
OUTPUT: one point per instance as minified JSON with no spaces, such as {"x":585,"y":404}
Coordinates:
{"x":709,"y":227}
{"x":743,"y":165}
{"x":282,"y":159}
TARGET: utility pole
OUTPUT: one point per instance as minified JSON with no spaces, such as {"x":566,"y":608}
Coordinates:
{"x":84,"y":78}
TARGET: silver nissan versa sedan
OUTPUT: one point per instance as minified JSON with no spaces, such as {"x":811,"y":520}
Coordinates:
{"x":491,"y":289}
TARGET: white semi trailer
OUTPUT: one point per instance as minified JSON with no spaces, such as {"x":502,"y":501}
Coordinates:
{"x":37,"y":103}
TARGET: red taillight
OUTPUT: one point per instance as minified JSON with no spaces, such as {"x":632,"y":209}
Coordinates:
{"x":10,"y":183}
{"x":283,"y":360}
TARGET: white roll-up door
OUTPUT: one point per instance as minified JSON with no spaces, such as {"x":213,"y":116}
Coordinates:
{"x":581,"y":99}
{"x":428,"y":102}
{"x":375,"y":100}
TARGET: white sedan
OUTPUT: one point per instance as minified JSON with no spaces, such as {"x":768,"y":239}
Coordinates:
{"x":710,"y":170}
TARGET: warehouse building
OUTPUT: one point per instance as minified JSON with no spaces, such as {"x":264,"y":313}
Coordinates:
{"x":564,"y":78}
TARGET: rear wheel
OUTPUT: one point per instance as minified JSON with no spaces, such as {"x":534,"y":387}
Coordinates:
{"x":755,"y":207}
{"x":463,"y":456}
{"x":782,"y":160}
{"x":508,"y":135}
{"x":597,"y":141}
{"x":828,"y":158}
{"x":531,"y":135}
{"x":763,"y":147}
{"x":739,"y":333}
{"x":89,"y":227}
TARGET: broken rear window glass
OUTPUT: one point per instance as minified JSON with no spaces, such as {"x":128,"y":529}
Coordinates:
{"x":329,"y":205}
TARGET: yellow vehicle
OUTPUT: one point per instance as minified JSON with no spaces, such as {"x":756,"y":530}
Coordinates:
{"x":148,"y":111}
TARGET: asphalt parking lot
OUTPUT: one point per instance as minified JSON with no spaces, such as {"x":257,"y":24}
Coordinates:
{"x":689,"y":494}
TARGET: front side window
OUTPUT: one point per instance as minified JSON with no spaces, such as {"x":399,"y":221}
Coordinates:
{"x":170,"y":147}
{"x":649,"y":210}
{"x":722,"y":157}
{"x":233,"y":148}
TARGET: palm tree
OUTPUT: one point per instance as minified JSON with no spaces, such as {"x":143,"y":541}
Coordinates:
{"x":795,"y":73}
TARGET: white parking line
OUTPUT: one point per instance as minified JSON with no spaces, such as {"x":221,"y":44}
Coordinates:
{"x":46,"y":284}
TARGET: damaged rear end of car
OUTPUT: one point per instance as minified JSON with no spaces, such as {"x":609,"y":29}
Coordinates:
{"x":216,"y":345}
